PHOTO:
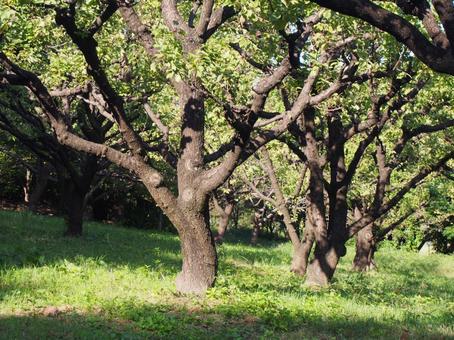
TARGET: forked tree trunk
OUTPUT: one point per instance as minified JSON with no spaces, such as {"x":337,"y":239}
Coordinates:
{"x":321,"y":269}
{"x":198,"y":250}
{"x":365,"y":249}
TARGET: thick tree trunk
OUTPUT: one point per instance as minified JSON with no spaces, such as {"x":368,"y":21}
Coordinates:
{"x":198,"y":250}
{"x":321,"y":269}
{"x":365,"y":249}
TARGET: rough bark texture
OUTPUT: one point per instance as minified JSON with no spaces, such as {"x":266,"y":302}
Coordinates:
{"x":301,"y":254}
{"x":365,"y":249}
{"x":199,"y":268}
{"x":224,"y":215}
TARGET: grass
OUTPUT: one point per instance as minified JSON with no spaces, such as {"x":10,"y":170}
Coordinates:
{"x":117,"y":283}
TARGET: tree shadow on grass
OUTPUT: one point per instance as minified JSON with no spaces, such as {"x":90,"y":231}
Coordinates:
{"x":165,"y":322}
{"x":30,"y":240}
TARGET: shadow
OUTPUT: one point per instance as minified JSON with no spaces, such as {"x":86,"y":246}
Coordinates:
{"x":33,"y":240}
{"x":147,"y":321}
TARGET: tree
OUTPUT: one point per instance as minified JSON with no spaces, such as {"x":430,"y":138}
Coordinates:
{"x":76,"y":172}
{"x":184,"y":68}
{"x":333,"y":164}
{"x":434,"y":46}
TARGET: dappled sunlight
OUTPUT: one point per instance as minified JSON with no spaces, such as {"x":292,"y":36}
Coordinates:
{"x":120,"y":281}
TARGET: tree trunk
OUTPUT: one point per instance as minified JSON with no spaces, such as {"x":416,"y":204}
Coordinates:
{"x":224,"y":215}
{"x":301,"y":253}
{"x":198,"y":250}
{"x":42,"y":178}
{"x":74,"y":211}
{"x":27,"y":186}
{"x":223,"y":224}
{"x":257,"y":224}
{"x":365,"y":249}
{"x":321,"y":269}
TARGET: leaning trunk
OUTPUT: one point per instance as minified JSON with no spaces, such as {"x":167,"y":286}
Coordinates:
{"x":365,"y":249}
{"x":200,"y":263}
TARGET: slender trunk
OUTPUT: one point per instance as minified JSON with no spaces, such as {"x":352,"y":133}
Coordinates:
{"x":224,"y":218}
{"x":365,"y":246}
{"x":224,"y":214}
{"x":27,"y":186}
{"x":257,"y":225}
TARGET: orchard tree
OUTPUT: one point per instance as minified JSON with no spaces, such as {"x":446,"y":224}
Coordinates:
{"x":76,"y":172}
{"x":334,"y":138}
{"x":425,"y":27}
{"x":186,"y":66}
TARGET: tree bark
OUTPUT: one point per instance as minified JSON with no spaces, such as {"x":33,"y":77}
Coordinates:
{"x":42,"y":178}
{"x":198,"y":250}
{"x":74,"y":210}
{"x":224,"y":218}
{"x":365,"y":249}
{"x":224,"y":214}
{"x":301,"y":254}
{"x":257,"y":225}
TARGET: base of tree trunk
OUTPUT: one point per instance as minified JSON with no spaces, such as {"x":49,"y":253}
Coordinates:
{"x":365,"y":249}
{"x":364,"y":267}
{"x":199,"y":268}
{"x":73,"y":233}
{"x":321,"y":268}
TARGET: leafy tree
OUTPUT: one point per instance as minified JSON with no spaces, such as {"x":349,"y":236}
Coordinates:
{"x":173,"y":66}
{"x":430,"y":36}
{"x":75,"y":172}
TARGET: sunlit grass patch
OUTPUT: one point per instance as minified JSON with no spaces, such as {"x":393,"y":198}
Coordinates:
{"x":119,"y":283}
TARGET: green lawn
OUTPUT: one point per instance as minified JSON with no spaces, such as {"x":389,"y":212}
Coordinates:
{"x":118,"y":283}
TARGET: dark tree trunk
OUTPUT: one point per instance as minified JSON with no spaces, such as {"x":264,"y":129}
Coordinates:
{"x":39,"y":188}
{"x":74,"y":211}
{"x":365,"y":249}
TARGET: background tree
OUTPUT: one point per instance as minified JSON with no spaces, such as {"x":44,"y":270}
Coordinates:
{"x":75,"y":172}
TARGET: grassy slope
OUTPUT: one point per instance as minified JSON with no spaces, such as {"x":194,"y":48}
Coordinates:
{"x":118,"y":283}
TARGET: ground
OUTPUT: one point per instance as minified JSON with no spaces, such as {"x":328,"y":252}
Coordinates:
{"x":118,"y":283}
